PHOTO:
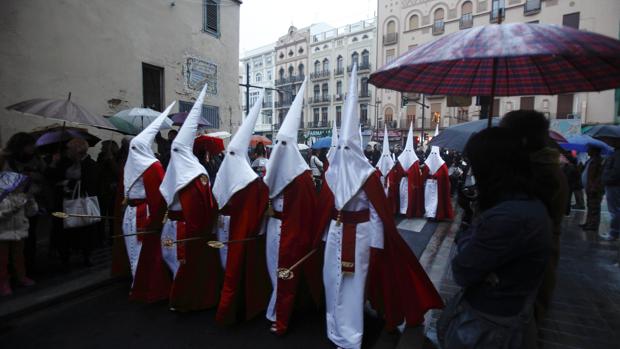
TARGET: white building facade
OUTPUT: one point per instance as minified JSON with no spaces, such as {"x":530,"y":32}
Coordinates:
{"x":260,"y":63}
{"x":405,"y":24}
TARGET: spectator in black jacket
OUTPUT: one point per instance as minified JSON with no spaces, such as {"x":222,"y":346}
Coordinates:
{"x":611,"y":180}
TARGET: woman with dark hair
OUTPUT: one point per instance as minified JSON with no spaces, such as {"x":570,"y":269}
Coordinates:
{"x":502,"y":257}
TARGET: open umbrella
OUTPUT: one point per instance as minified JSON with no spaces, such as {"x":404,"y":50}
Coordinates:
{"x":139,"y":118}
{"x":580,"y":143}
{"x":124,"y":126}
{"x":213,"y":145}
{"x":322,"y":143}
{"x":259,"y":139}
{"x":220,"y":134}
{"x":302,"y":146}
{"x":61,"y":109}
{"x":557,"y":136}
{"x":600,"y":131}
{"x":506,"y":60}
{"x":179,"y":118}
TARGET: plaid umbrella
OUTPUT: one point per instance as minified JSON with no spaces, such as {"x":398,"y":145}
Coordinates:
{"x":507,"y":60}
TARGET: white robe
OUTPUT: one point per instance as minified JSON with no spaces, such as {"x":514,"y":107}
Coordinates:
{"x":169,"y":232}
{"x":133,"y":245}
{"x":344,"y":294}
{"x":223,"y":234}
{"x":273,"y":250}
{"x":404,"y":195}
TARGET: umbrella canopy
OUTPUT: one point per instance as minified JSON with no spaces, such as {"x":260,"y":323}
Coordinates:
{"x":456,"y":137}
{"x":580,"y":143}
{"x":257,"y":139}
{"x":220,"y":134}
{"x":507,"y":60}
{"x":604,"y":131}
{"x":213,"y":145}
{"x":302,"y":146}
{"x":139,"y":118}
{"x":179,"y":118}
{"x":322,"y":143}
{"x":61,"y":109}
{"x":60,"y":136}
{"x":124,"y":126}
{"x":556,"y":136}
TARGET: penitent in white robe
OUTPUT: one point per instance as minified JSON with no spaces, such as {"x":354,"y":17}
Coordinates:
{"x":404,"y":195}
{"x":274,"y":226}
{"x":223,"y":234}
{"x":133,"y":245}
{"x":344,"y":293}
{"x":169,"y":232}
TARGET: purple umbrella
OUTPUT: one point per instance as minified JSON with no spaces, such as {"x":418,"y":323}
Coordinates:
{"x":60,"y":136}
{"x":179,"y":118}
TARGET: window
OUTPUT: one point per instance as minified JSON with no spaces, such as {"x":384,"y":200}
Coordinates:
{"x":435,"y":113}
{"x":339,"y":87}
{"x":571,"y":20}
{"x":339,"y":63}
{"x":364,"y":84}
{"x":365,"y":58}
{"x":268,"y":97}
{"x":414,"y":22}
{"x":565,"y":106}
{"x":267,"y":117}
{"x":388,"y":114}
{"x":326,"y":64}
{"x":438,"y":23}
{"x":300,"y":70}
{"x":354,"y":39}
{"x":531,"y":7}
{"x":290,"y":53}
{"x":355,"y":59}
{"x":268,"y":60}
{"x":317,"y":67}
{"x":325,"y":89}
{"x":281,"y":73}
{"x":467,"y":20}
{"x":316,"y":49}
{"x":324,"y":116}
{"x":291,"y":71}
{"x":212,"y":115}
{"x":364,"y":114}
{"x":317,"y":91}
{"x":365,"y":37}
{"x":211,"y":17}
{"x":411,"y":109}
{"x":281,"y":55}
{"x":338,"y":115}
{"x":269,"y":75}
{"x":152,"y":86}
{"x":527,"y":103}
{"x":301,"y":50}
{"x":390,"y":55}
{"x":316,"y":115}
{"x":253,"y":97}
{"x":498,"y":9}
{"x":391,"y":27}
{"x":259,"y":77}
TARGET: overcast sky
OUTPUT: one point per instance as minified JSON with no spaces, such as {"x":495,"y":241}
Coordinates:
{"x":263,"y":21}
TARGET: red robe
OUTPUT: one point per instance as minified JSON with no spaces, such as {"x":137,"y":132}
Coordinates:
{"x":152,"y":281}
{"x":445,"y":210}
{"x":397,"y":286}
{"x":246,"y":280}
{"x":196,"y":285}
{"x":415,"y":190}
{"x":298,"y":236}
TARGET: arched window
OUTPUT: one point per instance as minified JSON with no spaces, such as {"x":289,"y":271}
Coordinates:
{"x":317,"y":91}
{"x":281,"y":73}
{"x":326,"y":64}
{"x":325,"y":89}
{"x":364,"y":84}
{"x":365,"y":58}
{"x":300,"y":70}
{"x":291,"y":71}
{"x":388,"y":114}
{"x":355,"y":58}
{"x":438,"y":23}
{"x":317,"y":67}
{"x":391,"y":27}
{"x":354,"y":39}
{"x":414,"y":22}
{"x":467,"y":20}
{"x":339,"y":63}
{"x":259,"y":77}
{"x":339,"y":87}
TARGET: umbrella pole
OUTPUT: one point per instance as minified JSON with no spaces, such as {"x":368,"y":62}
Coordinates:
{"x":492,"y":104}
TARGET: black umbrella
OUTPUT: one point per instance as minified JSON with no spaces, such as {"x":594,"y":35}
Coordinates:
{"x":456,"y":137}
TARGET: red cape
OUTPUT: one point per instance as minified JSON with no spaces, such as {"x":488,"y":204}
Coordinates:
{"x":444,"y":202}
{"x":397,"y":286}
{"x":152,"y":281}
{"x":296,"y":240}
{"x":197,"y":282}
{"x":246,"y":280}
{"x":415,"y":190}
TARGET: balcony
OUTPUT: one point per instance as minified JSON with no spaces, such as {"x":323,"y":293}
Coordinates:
{"x":360,"y":67}
{"x":364,"y":95}
{"x":319,"y":124}
{"x":338,"y":98}
{"x":466,"y":21}
{"x":438,"y":27}
{"x":531,"y":7}
{"x":391,"y":124}
{"x":290,"y":80}
{"x":319,"y":99}
{"x":339,"y":71}
{"x":267,"y":104}
{"x":283,"y":104}
{"x":319,"y":75}
{"x":390,"y":38}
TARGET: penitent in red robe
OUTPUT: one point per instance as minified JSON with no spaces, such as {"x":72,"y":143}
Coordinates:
{"x":246,"y":280}
{"x":297,"y":238}
{"x":152,"y":280}
{"x":397,"y":286}
{"x":196,"y":285}
{"x":415,"y":190}
{"x":445,"y":211}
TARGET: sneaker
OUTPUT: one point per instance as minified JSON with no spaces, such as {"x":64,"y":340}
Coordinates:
{"x":27,"y":282}
{"x":5,"y":289}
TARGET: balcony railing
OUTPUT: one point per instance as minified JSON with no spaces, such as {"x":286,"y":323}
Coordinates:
{"x":360,"y":67}
{"x":466,"y":21}
{"x":531,"y":7}
{"x":390,"y":38}
{"x":267,"y":104}
{"x":438,"y":27}
{"x":338,"y":97}
{"x":319,"y":99}
{"x":390,"y":124}
{"x":290,"y":80}
{"x":339,"y":71}
{"x":364,"y":94}
{"x":320,"y":75}
{"x":319,"y":124}
{"x":283,"y":104}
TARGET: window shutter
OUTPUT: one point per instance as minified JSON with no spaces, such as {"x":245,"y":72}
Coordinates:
{"x":212,"y":115}
{"x":211,"y":16}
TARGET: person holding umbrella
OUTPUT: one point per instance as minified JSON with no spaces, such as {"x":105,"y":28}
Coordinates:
{"x":591,"y":180}
{"x":611,"y":180}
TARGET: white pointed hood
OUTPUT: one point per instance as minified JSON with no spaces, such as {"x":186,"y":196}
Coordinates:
{"x":286,"y":162}
{"x":141,"y":155}
{"x":386,"y":162}
{"x":434,"y":160}
{"x":235,"y":172}
{"x":332,"y":148}
{"x":408,"y":157}
{"x":183,"y":166}
{"x":348,"y":169}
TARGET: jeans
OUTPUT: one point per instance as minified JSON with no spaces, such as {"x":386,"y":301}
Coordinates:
{"x":613,"y":204}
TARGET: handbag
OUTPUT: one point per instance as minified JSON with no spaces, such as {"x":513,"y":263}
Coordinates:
{"x":462,"y":326}
{"x":79,"y":205}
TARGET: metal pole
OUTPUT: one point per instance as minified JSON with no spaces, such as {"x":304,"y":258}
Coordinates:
{"x":247,"y":88}
{"x":423,"y":107}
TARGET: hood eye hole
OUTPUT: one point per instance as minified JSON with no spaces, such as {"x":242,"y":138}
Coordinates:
{"x":277,"y":141}
{"x":175,"y":149}
{"x":283,"y":142}
{"x":133,"y":147}
{"x":232,"y":153}
{"x":346,"y":147}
